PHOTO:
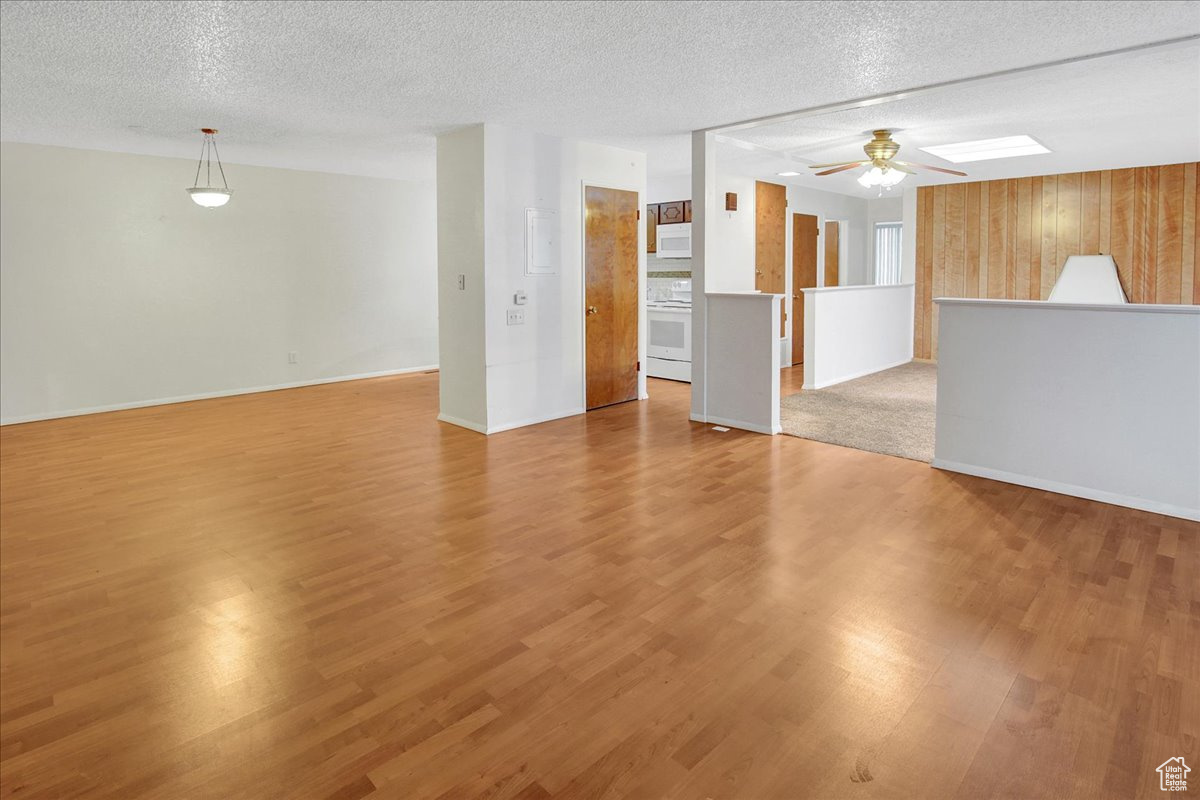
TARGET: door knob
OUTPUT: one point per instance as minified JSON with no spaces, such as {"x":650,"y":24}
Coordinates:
{"x":592,"y":310}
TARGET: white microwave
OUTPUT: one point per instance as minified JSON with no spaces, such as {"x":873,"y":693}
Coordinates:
{"x":674,"y":240}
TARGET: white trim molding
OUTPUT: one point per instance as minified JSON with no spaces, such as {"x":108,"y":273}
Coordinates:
{"x":1128,"y":501}
{"x":462,"y":423}
{"x":508,"y":426}
{"x":753,"y":427}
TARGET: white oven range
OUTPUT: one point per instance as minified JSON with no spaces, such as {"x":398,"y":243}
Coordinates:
{"x":669,"y":350}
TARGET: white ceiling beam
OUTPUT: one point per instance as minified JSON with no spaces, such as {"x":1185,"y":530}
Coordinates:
{"x":890,"y":97}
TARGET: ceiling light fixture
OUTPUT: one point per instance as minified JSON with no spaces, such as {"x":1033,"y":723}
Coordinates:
{"x":209,"y":196}
{"x":885,"y":169}
{"x":787,"y":174}
{"x":986,"y":149}
{"x":885,"y":178}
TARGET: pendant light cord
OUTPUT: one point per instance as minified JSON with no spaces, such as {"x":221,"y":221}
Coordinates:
{"x":207,"y":149}
{"x":219,"y":166}
{"x":200,"y":163}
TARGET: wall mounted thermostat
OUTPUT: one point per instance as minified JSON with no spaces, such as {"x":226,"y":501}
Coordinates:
{"x":519,"y":298}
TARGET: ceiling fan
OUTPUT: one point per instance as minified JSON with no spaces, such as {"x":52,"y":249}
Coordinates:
{"x":885,"y":171}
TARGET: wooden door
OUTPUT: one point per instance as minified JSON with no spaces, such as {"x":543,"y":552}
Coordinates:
{"x":652,"y":228}
{"x":611,"y":287}
{"x":770,"y":241}
{"x":805,"y":230}
{"x":832,"y":245}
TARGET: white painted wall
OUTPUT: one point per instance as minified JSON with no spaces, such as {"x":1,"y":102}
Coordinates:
{"x":1087,"y":400}
{"x":460,"y":239}
{"x":730,"y":265}
{"x":851,"y":331}
{"x":704,"y":244}
{"x":668,"y":188}
{"x":743,"y":361}
{"x":533,"y":372}
{"x":117,"y":291}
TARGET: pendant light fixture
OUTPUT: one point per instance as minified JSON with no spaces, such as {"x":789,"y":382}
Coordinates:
{"x":209,"y":196}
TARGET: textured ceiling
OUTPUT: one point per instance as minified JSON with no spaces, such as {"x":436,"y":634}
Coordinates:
{"x":362,"y":87}
{"x":1126,"y":110}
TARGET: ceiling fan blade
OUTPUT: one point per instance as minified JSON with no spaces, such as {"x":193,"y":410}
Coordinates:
{"x":843,"y":168}
{"x":898,"y":166}
{"x":935,"y":169}
{"x":838,"y":164}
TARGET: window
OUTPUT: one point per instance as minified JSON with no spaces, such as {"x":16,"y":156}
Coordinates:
{"x":887,"y":253}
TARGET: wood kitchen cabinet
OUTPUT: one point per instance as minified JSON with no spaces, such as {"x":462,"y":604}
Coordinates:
{"x":670,"y":212}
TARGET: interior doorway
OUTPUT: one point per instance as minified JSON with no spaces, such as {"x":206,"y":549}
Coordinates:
{"x":610,"y":295}
{"x":805,"y":232}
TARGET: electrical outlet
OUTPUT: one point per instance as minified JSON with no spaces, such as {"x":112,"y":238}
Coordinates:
{"x":516,"y":316}
{"x":293,"y":357}
{"x":462,"y":281}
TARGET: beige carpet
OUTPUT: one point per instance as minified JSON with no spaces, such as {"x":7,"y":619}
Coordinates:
{"x":890,"y":412}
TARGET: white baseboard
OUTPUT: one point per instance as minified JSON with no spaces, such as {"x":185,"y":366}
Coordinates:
{"x":462,"y":423}
{"x":852,"y":376}
{"x":488,"y":430}
{"x":79,"y":412}
{"x":1086,"y":493}
{"x":508,"y":426}
{"x":733,"y":423}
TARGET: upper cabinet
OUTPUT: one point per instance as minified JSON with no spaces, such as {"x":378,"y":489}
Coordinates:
{"x":664,"y":214}
{"x":670,"y":212}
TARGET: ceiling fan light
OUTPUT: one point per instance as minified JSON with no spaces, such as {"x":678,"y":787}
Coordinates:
{"x":872,"y":177}
{"x":891,"y":177}
{"x":208,"y":197}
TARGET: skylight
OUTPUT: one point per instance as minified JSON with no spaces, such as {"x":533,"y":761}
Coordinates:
{"x":985,"y":149}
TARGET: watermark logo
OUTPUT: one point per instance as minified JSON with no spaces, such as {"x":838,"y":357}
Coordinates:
{"x":1172,"y":775}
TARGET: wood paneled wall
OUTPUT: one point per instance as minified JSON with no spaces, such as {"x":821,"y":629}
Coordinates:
{"x":1009,"y":238}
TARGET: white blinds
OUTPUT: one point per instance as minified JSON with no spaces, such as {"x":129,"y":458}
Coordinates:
{"x":887,"y":253}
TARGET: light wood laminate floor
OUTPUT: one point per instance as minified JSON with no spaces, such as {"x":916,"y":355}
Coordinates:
{"x":325,"y":593}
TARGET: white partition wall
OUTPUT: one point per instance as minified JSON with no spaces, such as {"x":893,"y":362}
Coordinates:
{"x":743,"y":361}
{"x":1095,"y":401}
{"x":851,"y":331}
